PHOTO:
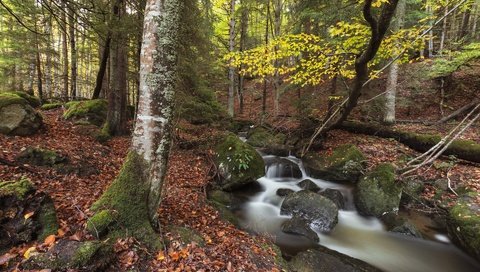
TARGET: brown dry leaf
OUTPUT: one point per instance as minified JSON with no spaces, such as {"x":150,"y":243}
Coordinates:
{"x":76,"y":237}
{"x":50,"y":240}
{"x":60,"y":233}
{"x":5,"y":258}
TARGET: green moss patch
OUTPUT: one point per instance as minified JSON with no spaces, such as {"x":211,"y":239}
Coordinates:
{"x":30,"y":99}
{"x":463,"y":224}
{"x":20,"y":188}
{"x":345,"y":164}
{"x":377,"y":193}
{"x":93,"y":111}
{"x":47,"y":219}
{"x":187,"y":235}
{"x":238,"y":163}
{"x":40,"y":157}
{"x":51,"y":106}
{"x":127,"y":197}
{"x":99,"y":223}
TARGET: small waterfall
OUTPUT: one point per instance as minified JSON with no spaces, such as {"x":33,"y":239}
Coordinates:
{"x":355,"y":235}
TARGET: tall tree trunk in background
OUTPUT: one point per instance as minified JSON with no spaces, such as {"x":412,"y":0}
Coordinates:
{"x":392,"y":79}
{"x":48,"y":59}
{"x":243,"y":39}
{"x":474,"y":20}
{"x":116,"y":117}
{"x":444,"y":29}
{"x":430,"y":36}
{"x":231,"y":69}
{"x":466,"y":22}
{"x":103,"y":67}
{"x":73,"y":52}
{"x":278,"y":9}
{"x":264,"y":96}
{"x":135,"y":194}
{"x":63,"y":27}
{"x":31,"y":76}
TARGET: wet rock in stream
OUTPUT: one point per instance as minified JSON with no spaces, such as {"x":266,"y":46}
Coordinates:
{"x":317,"y":212}
{"x":282,"y":168}
{"x":335,"y":196}
{"x":309,"y":185}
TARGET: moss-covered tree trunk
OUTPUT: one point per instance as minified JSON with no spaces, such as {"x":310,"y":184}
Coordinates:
{"x":132,"y":201}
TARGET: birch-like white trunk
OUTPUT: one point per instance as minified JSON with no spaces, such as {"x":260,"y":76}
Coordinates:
{"x":158,"y":76}
{"x":392,"y":80}
{"x":231,"y":70}
{"x":444,"y":29}
{"x":277,"y":31}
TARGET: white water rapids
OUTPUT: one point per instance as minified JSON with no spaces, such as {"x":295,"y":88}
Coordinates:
{"x":357,"y":236}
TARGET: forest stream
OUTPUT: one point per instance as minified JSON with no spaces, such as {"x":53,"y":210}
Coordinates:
{"x":364,"y":238}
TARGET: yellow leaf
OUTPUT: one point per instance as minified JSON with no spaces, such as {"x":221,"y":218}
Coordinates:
{"x":28,"y":215}
{"x":160,"y":256}
{"x":29,"y":252}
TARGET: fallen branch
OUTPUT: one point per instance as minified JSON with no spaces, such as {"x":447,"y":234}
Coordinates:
{"x":458,"y":112}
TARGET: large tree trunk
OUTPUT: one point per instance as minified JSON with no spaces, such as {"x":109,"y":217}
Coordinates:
{"x":231,"y":69}
{"x":392,"y":80}
{"x":117,"y":97}
{"x":135,"y":194}
{"x":264,"y":96}
{"x":243,"y":39}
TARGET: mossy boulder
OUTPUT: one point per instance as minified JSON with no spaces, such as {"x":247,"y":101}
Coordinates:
{"x":68,"y":254}
{"x":335,"y":196}
{"x":401,"y":224}
{"x":237,"y":162}
{"x":268,"y":141}
{"x":412,"y":190}
{"x":17,"y":117}
{"x":25,"y":215}
{"x":33,"y":101}
{"x":345,"y":164}
{"x":324,"y":259}
{"x":225,"y":213}
{"x":92,"y":111}
{"x":317,"y":212}
{"x":51,"y":106}
{"x":463,"y":224}
{"x":308,"y":184}
{"x":40,"y":157}
{"x":377,"y":193}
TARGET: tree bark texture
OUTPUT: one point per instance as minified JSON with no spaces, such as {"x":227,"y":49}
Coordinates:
{"x":158,"y":77}
{"x":231,"y":69}
{"x":392,"y":79}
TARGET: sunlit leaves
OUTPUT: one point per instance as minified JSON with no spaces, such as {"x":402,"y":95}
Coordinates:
{"x":306,"y":59}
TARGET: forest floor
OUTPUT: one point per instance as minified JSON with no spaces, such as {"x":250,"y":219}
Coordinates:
{"x":226,"y":247}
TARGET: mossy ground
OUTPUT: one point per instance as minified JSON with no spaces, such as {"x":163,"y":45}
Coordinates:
{"x":127,"y":197}
{"x":261,"y":137}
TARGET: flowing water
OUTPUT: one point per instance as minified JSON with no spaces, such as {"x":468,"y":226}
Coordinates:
{"x":357,"y":236}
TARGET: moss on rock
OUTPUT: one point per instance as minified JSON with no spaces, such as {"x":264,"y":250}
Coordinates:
{"x":377,"y":193}
{"x":30,"y":99}
{"x":51,"y":106}
{"x":40,"y":157}
{"x":127,"y":196}
{"x":463,"y":224}
{"x":20,"y":188}
{"x":47,"y":219}
{"x":239,"y":163}
{"x":93,"y":111}
{"x":17,"y":117}
{"x":345,"y":164}
{"x":272,"y":143}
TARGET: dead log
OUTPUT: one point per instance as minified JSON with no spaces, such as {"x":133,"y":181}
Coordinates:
{"x":462,"y":149}
{"x":458,"y":112}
